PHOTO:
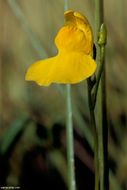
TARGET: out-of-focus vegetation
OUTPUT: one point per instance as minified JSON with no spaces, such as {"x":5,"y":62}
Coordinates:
{"x":32,"y":134}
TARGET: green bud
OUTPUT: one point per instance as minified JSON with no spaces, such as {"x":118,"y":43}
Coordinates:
{"x":102,"y":37}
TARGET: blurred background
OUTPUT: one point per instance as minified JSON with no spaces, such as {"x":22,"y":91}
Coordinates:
{"x":32,"y":123}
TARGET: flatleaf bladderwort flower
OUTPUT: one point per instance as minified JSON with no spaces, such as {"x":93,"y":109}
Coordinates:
{"x":74,"y":61}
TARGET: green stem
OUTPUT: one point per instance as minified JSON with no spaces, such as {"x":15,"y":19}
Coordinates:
{"x":99,"y":74}
{"x":93,"y":124}
{"x":65,"y":5}
{"x":100,"y":87}
{"x":69,"y":131}
{"x":104,"y":132}
{"x":99,"y":16}
{"x":70,"y":142}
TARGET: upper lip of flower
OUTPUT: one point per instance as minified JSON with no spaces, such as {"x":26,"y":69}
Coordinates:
{"x":79,"y":21}
{"x":69,"y":14}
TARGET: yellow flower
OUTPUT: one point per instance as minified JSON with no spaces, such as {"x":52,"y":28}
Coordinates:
{"x":74,"y":61}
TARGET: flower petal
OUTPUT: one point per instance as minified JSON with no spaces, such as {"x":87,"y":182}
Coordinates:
{"x":73,"y":67}
{"x":40,"y":71}
{"x":69,"y":68}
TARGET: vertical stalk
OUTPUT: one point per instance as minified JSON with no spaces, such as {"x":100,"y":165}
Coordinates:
{"x":95,"y":135}
{"x":69,"y":132}
{"x":65,"y":5}
{"x":99,"y":16}
{"x":104,"y":132}
{"x":70,"y":143}
{"x":101,"y":100}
